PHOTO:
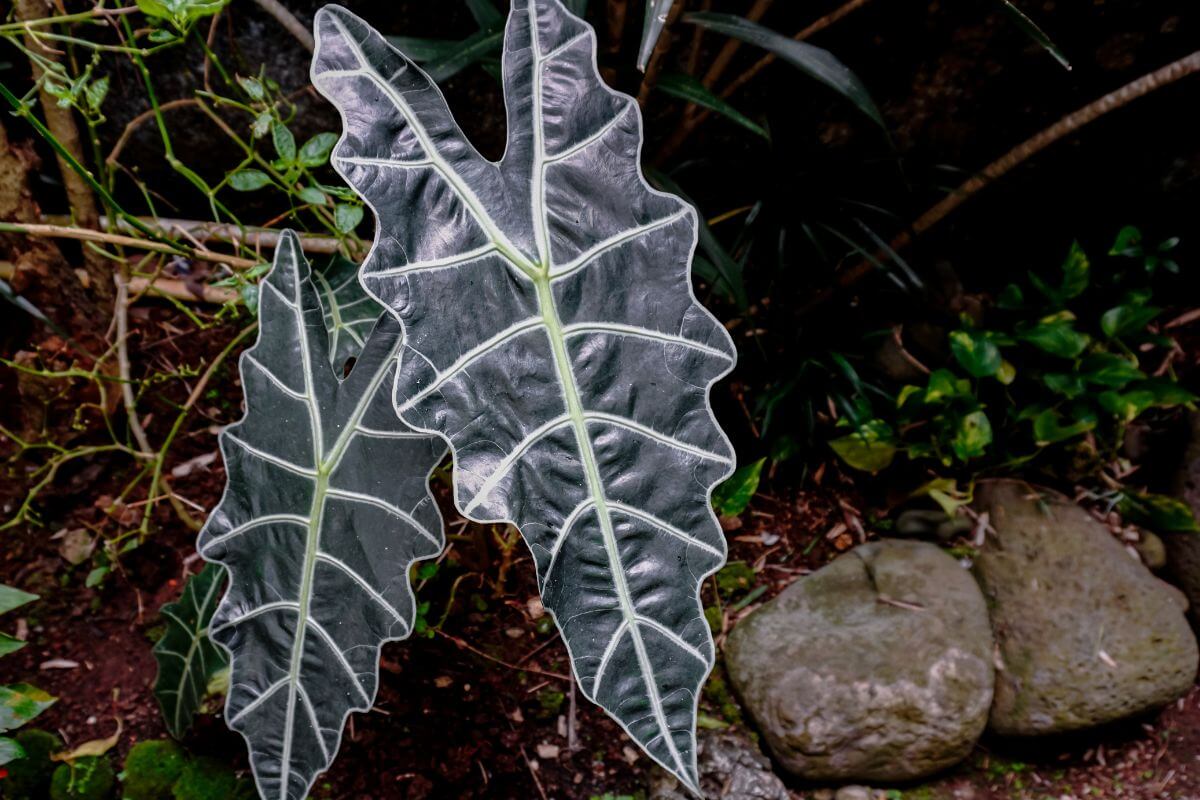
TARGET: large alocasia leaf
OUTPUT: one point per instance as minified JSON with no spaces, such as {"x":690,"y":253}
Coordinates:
{"x":553,"y":338}
{"x":187,"y":658}
{"x":326,"y":508}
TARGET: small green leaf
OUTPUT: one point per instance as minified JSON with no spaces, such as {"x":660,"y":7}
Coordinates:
{"x":97,"y":90}
{"x":1125,"y":319}
{"x":252,"y":87}
{"x":10,"y":750}
{"x":19,"y":703}
{"x":1007,"y":372}
{"x":346,"y":217}
{"x":1068,"y":384}
{"x":250,"y":298}
{"x":736,"y":576}
{"x":312,"y":195}
{"x":973,"y":436}
{"x":9,"y":644}
{"x":977,"y":354}
{"x":1011,"y":299}
{"x":1109,"y":369}
{"x":1158,"y":512}
{"x":945,"y":385}
{"x":262,"y":124}
{"x":1075,"y":270}
{"x":1048,"y":427}
{"x":96,"y":577}
{"x":731,"y":497}
{"x":285,"y":142}
{"x":249,"y":180}
{"x":11,"y":597}
{"x":1128,"y":242}
{"x":315,"y":151}
{"x":906,"y":392}
{"x":1056,"y":335}
{"x":871,"y":448}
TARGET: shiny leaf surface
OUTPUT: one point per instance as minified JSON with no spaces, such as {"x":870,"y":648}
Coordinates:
{"x":187,"y":658}
{"x":326,"y":507}
{"x":553,"y":338}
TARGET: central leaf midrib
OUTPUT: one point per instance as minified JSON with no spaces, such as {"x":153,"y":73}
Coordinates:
{"x":325,"y":463}
{"x":566,"y":377}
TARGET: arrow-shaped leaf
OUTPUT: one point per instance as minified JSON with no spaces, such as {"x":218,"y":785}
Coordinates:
{"x":326,"y":507}
{"x":187,"y":658}
{"x":554,"y":340}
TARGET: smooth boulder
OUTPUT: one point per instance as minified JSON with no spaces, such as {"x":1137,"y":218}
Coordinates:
{"x":1086,"y":634}
{"x":878,"y":667}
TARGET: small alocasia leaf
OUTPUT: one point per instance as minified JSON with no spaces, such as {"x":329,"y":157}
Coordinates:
{"x":187,"y":658}
{"x":327,"y":506}
{"x":553,"y":338}
{"x":350,"y":313}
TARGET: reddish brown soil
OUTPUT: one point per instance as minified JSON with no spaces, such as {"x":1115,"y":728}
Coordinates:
{"x":452,"y":723}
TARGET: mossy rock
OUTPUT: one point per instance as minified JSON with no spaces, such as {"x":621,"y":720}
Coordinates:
{"x":210,"y":779}
{"x":90,"y":778}
{"x":1086,"y":634}
{"x":29,"y":777}
{"x":151,"y":770}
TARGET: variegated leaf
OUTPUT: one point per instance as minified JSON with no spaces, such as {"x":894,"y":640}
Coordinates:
{"x":326,"y":507}
{"x":553,"y":338}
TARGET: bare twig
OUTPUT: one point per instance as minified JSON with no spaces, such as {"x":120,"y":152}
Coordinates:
{"x":465,"y":645}
{"x":205,"y":231}
{"x":288,"y":20}
{"x":82,"y":234}
{"x":140,"y":120}
{"x":122,"y":313}
{"x":1066,"y":126}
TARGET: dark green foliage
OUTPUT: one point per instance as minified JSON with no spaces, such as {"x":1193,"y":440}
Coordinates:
{"x":151,"y":769}
{"x":1054,"y":360}
{"x":89,"y":778}
{"x":29,"y":777}
{"x":209,"y":779}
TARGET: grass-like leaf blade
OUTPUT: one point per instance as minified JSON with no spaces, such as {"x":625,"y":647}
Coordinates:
{"x":821,"y":65}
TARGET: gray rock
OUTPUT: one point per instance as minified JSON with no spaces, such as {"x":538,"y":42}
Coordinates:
{"x":854,"y":793}
{"x":876,"y":667}
{"x":1183,"y":549}
{"x":1086,"y":634}
{"x":731,"y":768}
